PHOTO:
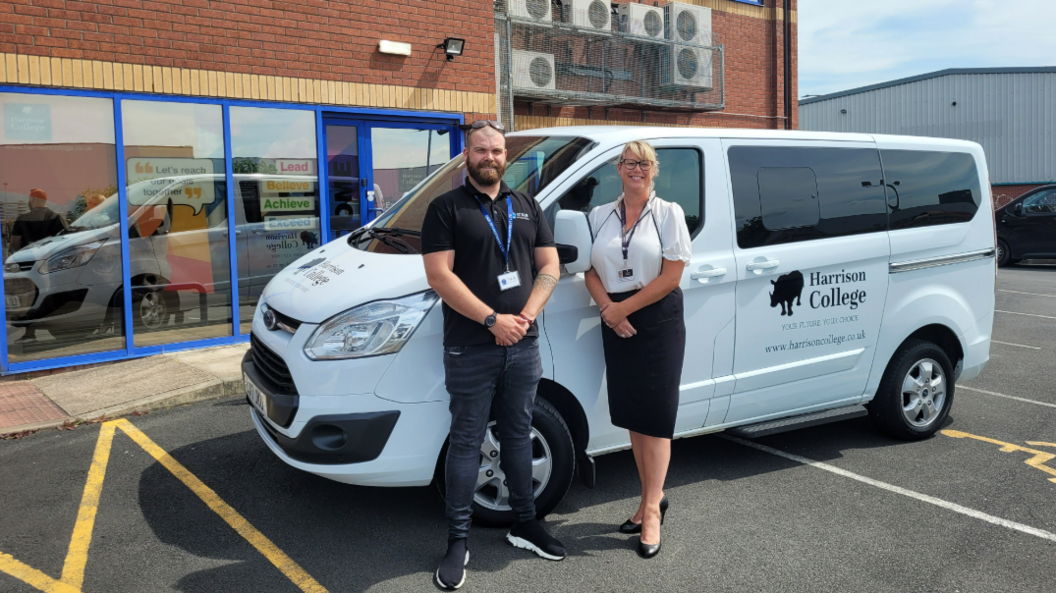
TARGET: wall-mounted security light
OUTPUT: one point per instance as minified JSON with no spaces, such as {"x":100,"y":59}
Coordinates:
{"x":452,"y":47}
{"x":395,"y":48}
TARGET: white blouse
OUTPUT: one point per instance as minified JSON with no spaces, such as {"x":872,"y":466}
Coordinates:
{"x":661,"y":234}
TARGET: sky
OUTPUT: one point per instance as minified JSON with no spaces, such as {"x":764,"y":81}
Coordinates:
{"x":844,"y":44}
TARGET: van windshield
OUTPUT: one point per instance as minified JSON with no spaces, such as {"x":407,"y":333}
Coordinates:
{"x":532,"y":162}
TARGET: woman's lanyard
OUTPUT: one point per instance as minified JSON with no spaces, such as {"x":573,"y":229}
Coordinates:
{"x":509,"y":228}
{"x":626,"y":236}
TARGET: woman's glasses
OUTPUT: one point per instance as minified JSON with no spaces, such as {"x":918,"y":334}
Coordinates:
{"x":643,"y":165}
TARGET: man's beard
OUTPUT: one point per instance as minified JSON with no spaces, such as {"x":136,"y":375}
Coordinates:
{"x":489,"y":177}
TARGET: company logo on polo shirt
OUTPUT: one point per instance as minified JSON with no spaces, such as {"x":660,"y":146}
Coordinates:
{"x":522,"y":216}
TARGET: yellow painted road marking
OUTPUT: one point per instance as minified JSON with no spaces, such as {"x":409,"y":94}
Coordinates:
{"x":284,"y":563}
{"x":1037,"y":461}
{"x":32,"y":576}
{"x":77,"y":557}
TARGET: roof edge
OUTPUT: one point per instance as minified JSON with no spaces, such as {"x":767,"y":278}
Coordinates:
{"x":928,"y":76}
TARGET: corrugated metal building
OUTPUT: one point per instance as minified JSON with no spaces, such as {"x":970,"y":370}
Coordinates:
{"x":1011,"y":112}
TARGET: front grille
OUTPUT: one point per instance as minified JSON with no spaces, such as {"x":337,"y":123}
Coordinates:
{"x":20,"y":286}
{"x":271,"y":367}
{"x":285,"y":321}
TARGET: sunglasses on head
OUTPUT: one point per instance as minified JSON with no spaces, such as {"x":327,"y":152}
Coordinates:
{"x":487,"y":123}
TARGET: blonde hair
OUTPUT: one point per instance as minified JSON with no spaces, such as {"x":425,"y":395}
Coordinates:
{"x":644,"y":152}
{"x":94,"y":200}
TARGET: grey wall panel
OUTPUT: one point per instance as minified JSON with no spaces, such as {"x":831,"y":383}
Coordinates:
{"x":1012,"y":115}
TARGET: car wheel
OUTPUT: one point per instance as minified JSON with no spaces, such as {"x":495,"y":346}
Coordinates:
{"x":916,"y":392}
{"x":553,"y":466}
{"x":1004,"y":255}
{"x":150,"y":308}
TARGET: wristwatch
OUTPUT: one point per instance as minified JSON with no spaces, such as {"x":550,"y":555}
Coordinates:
{"x":489,"y":321}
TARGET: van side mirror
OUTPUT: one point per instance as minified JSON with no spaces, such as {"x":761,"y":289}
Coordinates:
{"x":1018,"y":209}
{"x":572,"y":235}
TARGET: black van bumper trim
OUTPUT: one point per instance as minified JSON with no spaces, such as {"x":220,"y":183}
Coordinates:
{"x":337,"y":439}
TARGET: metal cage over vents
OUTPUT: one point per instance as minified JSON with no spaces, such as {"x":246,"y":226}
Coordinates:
{"x":583,"y":53}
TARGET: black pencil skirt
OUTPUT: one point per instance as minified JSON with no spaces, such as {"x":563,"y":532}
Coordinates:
{"x":644,"y":371}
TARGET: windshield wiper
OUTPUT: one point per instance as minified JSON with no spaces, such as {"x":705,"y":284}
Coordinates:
{"x":391,"y":237}
{"x":395,"y":231}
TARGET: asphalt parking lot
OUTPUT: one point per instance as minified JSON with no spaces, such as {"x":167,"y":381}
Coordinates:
{"x":191,"y":500}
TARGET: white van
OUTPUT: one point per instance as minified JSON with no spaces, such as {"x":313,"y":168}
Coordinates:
{"x":832,"y":276}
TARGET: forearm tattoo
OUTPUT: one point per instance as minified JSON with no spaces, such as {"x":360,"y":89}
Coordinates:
{"x":546,"y":282}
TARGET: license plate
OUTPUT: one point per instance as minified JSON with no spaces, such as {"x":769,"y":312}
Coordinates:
{"x":256,"y":398}
{"x":13,"y":301}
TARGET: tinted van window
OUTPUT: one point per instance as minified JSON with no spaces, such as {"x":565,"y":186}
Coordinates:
{"x":679,"y":180}
{"x":927,"y":188}
{"x":786,"y":194}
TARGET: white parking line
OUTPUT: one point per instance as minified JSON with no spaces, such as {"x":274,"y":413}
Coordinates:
{"x":1018,"y":399}
{"x":899,"y":490}
{"x":1051,"y":296}
{"x":1016,"y":345}
{"x":1027,"y":314}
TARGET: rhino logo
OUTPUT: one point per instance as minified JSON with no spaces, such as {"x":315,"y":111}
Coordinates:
{"x":309,"y":239}
{"x":787,"y":288}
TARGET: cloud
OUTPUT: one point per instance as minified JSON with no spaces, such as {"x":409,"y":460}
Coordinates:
{"x":843,"y":45}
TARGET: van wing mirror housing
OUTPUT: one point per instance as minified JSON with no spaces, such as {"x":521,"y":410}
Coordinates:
{"x":1018,"y":209}
{"x":572,"y":235}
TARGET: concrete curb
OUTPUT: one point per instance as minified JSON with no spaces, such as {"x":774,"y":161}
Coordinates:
{"x":214,"y":389}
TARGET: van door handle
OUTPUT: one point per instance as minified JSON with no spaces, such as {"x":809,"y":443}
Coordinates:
{"x":704,"y":275}
{"x":763,"y":265}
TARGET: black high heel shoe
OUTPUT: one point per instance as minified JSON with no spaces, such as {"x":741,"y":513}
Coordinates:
{"x":630,"y":527}
{"x":648,"y":550}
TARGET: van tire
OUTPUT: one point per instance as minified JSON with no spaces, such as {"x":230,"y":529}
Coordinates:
{"x":906,"y":390}
{"x":552,"y":432}
{"x":1004,"y":254}
{"x":150,"y":307}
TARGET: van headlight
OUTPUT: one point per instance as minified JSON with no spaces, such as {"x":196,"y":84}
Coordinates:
{"x":75,"y":256}
{"x":380,"y":327}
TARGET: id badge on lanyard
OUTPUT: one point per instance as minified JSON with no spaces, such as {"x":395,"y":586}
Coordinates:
{"x":626,"y":273}
{"x":507,"y":280}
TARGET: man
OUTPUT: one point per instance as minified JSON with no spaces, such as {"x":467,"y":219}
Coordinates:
{"x":490,"y":255}
{"x":39,"y":223}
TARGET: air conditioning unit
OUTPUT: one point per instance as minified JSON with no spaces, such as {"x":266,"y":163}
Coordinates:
{"x":687,"y":23}
{"x":594,"y":16}
{"x":535,"y":10}
{"x":686,"y":66}
{"x":533,"y":71}
{"x":641,"y":20}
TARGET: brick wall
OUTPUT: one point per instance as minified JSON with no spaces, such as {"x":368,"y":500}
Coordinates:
{"x":317,"y":39}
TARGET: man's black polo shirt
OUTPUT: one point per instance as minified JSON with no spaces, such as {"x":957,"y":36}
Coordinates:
{"x":454,"y":222}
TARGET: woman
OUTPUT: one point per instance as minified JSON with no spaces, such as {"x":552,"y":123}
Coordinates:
{"x":641,"y":246}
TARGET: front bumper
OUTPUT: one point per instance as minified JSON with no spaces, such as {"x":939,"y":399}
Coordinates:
{"x":337,"y":439}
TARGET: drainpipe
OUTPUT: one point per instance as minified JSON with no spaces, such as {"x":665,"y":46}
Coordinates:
{"x":788,"y":65}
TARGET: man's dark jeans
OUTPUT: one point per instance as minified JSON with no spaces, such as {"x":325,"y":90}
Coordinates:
{"x":478,"y":379}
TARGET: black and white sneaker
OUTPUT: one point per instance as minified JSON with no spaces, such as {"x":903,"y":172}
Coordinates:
{"x":451,"y":573}
{"x":530,"y":535}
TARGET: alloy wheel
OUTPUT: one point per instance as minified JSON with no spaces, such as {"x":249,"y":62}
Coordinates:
{"x":923,"y":393}
{"x":491,"y":490}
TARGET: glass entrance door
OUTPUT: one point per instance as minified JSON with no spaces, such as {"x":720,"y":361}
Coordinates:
{"x":372,"y":164}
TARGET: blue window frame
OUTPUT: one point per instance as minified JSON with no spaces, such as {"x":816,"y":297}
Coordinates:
{"x":368,"y":119}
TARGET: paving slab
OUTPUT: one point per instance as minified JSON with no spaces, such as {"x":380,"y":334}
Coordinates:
{"x":111,"y":390}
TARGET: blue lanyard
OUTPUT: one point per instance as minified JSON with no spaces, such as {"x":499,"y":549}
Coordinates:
{"x":509,"y":228}
{"x":625,"y":237}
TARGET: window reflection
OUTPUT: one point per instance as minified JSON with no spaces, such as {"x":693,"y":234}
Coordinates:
{"x":62,"y":256}
{"x":403,"y":158}
{"x":177,"y":226}
{"x":273,"y":152}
